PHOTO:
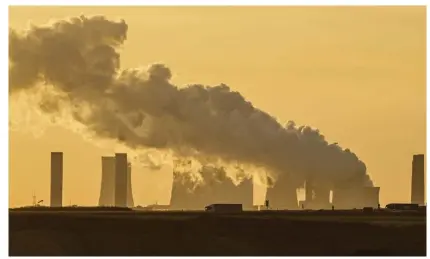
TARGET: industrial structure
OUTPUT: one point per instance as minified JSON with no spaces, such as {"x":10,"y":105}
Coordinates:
{"x":418,"y":182}
{"x":107,"y":196}
{"x":216,"y":188}
{"x":56,"y":179}
{"x":109,"y":185}
{"x":355,"y":197}
{"x":282,"y":194}
{"x":120,"y":189}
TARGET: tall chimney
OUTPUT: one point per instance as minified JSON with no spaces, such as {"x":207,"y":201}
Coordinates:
{"x":417,"y":188}
{"x":107,"y":194}
{"x":56,"y":179}
{"x":121,"y":180}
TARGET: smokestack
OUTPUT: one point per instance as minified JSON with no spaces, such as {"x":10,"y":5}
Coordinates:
{"x":417,"y":190}
{"x":56,"y":179}
{"x":120,"y":180}
{"x":107,"y":188}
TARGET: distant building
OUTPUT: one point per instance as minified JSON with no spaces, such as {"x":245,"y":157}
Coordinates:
{"x":224,"y":208}
{"x":418,"y":182}
{"x":56,"y":179}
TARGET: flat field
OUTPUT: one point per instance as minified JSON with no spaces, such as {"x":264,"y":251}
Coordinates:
{"x":92,"y":232}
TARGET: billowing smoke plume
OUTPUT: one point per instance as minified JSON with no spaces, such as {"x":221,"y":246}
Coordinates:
{"x":80,"y":58}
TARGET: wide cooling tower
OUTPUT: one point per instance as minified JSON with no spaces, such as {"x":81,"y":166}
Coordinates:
{"x":185,"y":195}
{"x":107,"y":189}
{"x":321,"y":199}
{"x":356,"y":198}
{"x":283,"y":195}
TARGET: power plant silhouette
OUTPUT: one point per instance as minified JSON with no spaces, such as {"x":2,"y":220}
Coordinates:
{"x":116,"y":189}
{"x":114,"y":181}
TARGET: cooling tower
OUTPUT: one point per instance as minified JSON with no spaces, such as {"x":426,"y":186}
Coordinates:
{"x":217,"y":188}
{"x":107,"y":189}
{"x":56,"y":179}
{"x":130,"y":202}
{"x":245,"y":194}
{"x":356,"y":197}
{"x":120,"y":189}
{"x":282,"y":195}
{"x":346,"y":198}
{"x":370,"y":197}
{"x":418,"y":188}
{"x":107,"y":196}
{"x":322,"y":198}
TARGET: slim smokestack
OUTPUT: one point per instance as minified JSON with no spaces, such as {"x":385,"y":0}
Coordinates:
{"x":56,"y":179}
{"x":417,"y":190}
{"x":107,"y":189}
{"x":121,"y":180}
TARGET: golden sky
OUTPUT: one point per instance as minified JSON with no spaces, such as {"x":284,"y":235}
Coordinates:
{"x":356,"y":73}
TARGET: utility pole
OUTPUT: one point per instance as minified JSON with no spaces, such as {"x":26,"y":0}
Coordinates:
{"x":34,"y":199}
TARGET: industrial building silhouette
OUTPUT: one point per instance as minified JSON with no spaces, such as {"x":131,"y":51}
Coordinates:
{"x":217,"y":187}
{"x":109,"y":185}
{"x":56,"y":179}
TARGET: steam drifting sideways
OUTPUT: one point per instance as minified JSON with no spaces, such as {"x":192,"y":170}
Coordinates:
{"x":79,"y":58}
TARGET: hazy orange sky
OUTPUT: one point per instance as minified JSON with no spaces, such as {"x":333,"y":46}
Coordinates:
{"x":356,"y":73}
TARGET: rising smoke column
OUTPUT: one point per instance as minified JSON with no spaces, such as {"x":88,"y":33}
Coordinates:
{"x":80,"y":58}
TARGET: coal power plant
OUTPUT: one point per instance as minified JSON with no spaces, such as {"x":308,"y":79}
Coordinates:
{"x":194,"y":121}
{"x":216,"y":187}
{"x":199,"y":122}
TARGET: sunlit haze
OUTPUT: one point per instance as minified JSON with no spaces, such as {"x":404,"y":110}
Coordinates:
{"x":358,"y":74}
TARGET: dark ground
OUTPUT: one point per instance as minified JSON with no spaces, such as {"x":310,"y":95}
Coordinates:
{"x":122,"y":233}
